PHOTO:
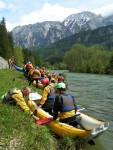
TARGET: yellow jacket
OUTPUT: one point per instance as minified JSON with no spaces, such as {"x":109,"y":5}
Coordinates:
{"x":10,"y":61}
{"x":45,"y":93}
{"x":68,"y":114}
{"x":18,"y":97}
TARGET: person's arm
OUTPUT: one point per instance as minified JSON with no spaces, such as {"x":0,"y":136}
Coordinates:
{"x":57,"y":106}
{"x":21,"y":102}
{"x":44,"y":96}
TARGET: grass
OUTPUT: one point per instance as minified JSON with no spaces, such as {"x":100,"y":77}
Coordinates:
{"x":18,"y":130}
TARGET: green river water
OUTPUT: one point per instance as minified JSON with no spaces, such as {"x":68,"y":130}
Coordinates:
{"x":94,"y":92}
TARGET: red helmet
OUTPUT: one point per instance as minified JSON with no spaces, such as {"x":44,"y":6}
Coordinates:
{"x":45,"y":81}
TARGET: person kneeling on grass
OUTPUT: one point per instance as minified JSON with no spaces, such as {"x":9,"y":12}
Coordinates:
{"x":48,"y":95}
{"x":65,"y":106}
{"x":17,"y":96}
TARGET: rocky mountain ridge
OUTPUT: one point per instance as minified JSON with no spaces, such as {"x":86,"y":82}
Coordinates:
{"x":45,"y":33}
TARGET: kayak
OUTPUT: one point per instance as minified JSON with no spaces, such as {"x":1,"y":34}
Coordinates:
{"x":92,"y":127}
{"x":40,"y":85}
{"x":18,"y":68}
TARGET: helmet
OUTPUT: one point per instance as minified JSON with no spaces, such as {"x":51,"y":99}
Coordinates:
{"x":60,"y":74}
{"x":28,"y":62}
{"x":45,"y":80}
{"x":52,"y":80}
{"x":37,"y":67}
{"x":61,"y":86}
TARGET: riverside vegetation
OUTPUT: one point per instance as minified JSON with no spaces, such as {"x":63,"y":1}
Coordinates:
{"x":18,"y":130}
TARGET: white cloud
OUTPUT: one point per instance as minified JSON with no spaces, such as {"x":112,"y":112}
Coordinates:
{"x":10,"y":26}
{"x":48,"y":13}
{"x":2,"y":5}
{"x":105,"y":11}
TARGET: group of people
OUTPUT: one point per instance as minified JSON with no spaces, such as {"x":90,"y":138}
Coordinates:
{"x":54,"y":99}
{"x":36,"y":73}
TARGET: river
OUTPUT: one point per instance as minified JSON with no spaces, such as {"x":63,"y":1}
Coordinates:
{"x":95,"y":93}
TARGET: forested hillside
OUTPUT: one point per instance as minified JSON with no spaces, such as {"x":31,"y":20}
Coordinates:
{"x":102,"y":36}
{"x":93,"y":55}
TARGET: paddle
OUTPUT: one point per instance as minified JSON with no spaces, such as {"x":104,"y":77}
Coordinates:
{"x":81,"y":109}
{"x":43,"y":121}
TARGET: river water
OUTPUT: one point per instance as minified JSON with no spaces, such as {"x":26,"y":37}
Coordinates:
{"x":95,"y":93}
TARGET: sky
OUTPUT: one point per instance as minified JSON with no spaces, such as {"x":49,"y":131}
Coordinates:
{"x":24,"y":12}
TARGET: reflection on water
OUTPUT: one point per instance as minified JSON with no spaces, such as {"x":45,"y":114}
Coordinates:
{"x":94,"y":92}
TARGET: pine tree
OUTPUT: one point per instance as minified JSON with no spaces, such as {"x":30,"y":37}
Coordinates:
{"x":6,"y":41}
{"x":11,"y":43}
{"x":3,"y":39}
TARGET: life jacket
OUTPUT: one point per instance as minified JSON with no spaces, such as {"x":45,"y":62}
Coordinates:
{"x":28,"y":66}
{"x":68,"y":103}
{"x":51,"y":95}
{"x":42,"y":71}
{"x":60,"y":79}
{"x":34,"y":73}
{"x":8,"y":97}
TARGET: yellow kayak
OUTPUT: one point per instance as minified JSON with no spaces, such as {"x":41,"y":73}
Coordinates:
{"x":92,"y":127}
{"x":40,"y":85}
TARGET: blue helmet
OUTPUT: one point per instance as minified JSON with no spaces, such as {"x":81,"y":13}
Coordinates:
{"x":37,"y":67}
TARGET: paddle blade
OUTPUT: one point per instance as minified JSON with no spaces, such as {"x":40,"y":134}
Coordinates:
{"x":43,"y":121}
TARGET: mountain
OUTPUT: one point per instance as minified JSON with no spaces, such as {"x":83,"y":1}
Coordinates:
{"x":45,"y":33}
{"x":109,"y":20}
{"x":83,"y":21}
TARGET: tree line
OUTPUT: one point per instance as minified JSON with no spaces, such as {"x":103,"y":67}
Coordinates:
{"x":8,"y":48}
{"x":94,"y":59}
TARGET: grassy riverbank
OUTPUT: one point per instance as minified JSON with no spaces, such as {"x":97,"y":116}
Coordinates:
{"x":18,"y":130}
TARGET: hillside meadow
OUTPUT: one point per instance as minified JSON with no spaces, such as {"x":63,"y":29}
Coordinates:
{"x":18,"y":131}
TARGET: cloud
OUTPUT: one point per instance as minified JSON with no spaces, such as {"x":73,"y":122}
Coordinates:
{"x":105,"y":11}
{"x":48,"y":13}
{"x":2,"y":5}
{"x":10,"y":26}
